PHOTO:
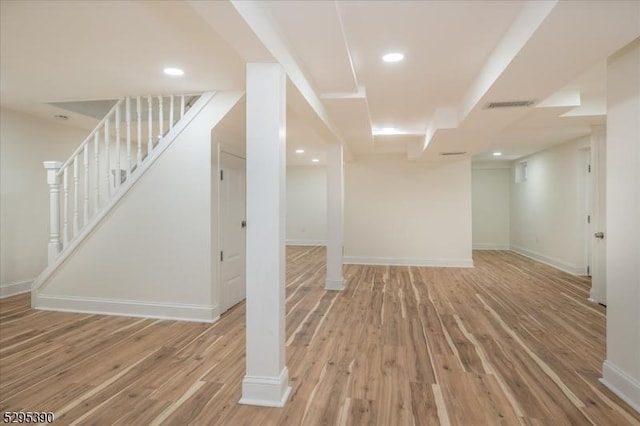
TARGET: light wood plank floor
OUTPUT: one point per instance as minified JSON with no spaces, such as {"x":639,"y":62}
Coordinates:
{"x":509,"y":342}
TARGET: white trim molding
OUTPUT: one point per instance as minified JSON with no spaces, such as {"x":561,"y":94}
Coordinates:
{"x":15,"y":287}
{"x":306,"y":243}
{"x":334,"y":284}
{"x":620,"y":383}
{"x":550,"y":261}
{"x":392,"y":261}
{"x":130,"y":308}
{"x":491,"y":246}
{"x":266,"y":391}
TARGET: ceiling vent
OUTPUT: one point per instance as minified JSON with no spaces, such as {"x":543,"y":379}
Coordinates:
{"x":509,"y":104}
{"x":453,"y":153}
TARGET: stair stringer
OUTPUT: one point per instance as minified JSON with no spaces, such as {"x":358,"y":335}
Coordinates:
{"x":148,"y":253}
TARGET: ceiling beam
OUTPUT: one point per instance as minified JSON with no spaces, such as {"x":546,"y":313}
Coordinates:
{"x":257,"y":17}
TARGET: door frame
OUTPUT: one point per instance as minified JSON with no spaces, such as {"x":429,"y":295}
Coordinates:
{"x":585,"y":214}
{"x":216,"y":222}
{"x":598,"y":293}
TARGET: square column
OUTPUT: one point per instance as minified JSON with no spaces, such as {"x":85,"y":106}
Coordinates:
{"x":266,"y":382}
{"x":621,"y":369}
{"x":335,"y":217}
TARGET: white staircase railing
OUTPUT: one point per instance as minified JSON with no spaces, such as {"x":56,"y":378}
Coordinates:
{"x":100,"y":165}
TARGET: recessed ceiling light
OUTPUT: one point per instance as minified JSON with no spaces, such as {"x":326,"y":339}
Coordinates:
{"x":299,"y":151}
{"x":497,"y":154}
{"x":388,"y":131}
{"x":315,"y":160}
{"x":174,"y":72}
{"x":393,"y":57}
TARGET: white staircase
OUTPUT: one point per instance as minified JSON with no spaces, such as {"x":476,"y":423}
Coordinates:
{"x":132,"y":213}
{"x":122,"y":145}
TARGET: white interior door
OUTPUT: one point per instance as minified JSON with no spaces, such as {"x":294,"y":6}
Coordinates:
{"x":232,"y":229}
{"x":598,"y":231}
{"x":588,"y":209}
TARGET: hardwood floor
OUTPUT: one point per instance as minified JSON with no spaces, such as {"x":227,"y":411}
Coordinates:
{"x":510,"y":342}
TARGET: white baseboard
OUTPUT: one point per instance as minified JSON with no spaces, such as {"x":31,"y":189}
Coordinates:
{"x":266,"y":391}
{"x":306,"y":243}
{"x":620,"y":383}
{"x":15,"y":287}
{"x":490,"y":246}
{"x":334,"y":284}
{"x":449,"y":263}
{"x":130,"y":308}
{"x":551,"y":261}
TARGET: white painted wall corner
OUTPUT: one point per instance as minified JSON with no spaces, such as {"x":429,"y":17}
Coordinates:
{"x":550,"y":261}
{"x":490,"y":246}
{"x":15,"y":287}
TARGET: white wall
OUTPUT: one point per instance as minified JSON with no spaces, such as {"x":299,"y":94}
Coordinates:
{"x":621,"y":370}
{"x":402,"y":212}
{"x":548,"y":213}
{"x":306,"y":205}
{"x":490,"y":199}
{"x":25,"y":142}
{"x":151,"y":255}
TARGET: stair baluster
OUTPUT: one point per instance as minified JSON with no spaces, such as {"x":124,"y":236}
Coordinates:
{"x":150,"y":136}
{"x":128,"y":122}
{"x":118,"y":173}
{"x":107,"y":160}
{"x":160,"y":119}
{"x":65,"y":207}
{"x":139,"y":116}
{"x":96,"y":153}
{"x":76,"y":196}
{"x":171,"y":112}
{"x":85,"y":209}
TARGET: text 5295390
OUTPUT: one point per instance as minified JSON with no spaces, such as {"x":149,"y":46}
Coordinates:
{"x":28,"y":417}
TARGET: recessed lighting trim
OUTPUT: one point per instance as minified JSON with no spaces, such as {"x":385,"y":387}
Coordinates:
{"x":299,"y":151}
{"x":315,"y":160}
{"x":393,"y":57}
{"x":388,"y":131}
{"x":497,"y":154}
{"x":174,"y":72}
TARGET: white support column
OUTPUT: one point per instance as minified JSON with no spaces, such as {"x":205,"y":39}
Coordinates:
{"x":266,"y":382}
{"x":335,"y":198}
{"x":53,"y":180}
{"x":621,"y":369}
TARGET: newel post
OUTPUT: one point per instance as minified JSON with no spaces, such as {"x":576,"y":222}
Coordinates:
{"x":53,"y":180}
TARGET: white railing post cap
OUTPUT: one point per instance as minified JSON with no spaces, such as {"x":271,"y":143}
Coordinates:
{"x":52,"y":165}
{"x":52,"y":168}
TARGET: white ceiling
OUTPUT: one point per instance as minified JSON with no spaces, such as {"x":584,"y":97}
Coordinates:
{"x":459,"y":55}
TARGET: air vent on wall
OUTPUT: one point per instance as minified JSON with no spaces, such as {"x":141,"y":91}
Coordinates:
{"x":453,"y":153}
{"x":509,"y":104}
